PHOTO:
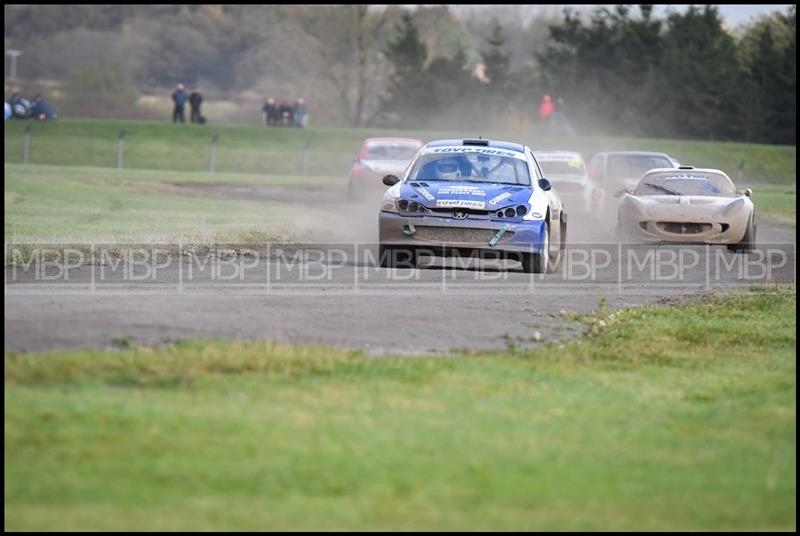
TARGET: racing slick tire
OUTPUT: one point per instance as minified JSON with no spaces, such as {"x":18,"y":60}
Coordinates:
{"x":397,"y":257}
{"x":748,"y":242}
{"x":538,"y":263}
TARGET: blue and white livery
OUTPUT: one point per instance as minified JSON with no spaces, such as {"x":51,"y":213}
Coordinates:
{"x":459,"y":197}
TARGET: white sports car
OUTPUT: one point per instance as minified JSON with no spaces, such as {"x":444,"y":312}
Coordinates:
{"x":688,"y":206}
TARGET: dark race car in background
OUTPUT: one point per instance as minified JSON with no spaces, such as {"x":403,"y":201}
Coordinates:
{"x":613,"y":171}
{"x":567,"y":174}
{"x":461,"y":197}
{"x":377,"y":158}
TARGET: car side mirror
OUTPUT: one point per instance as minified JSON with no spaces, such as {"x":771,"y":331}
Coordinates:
{"x":544,"y":184}
{"x":622,"y":192}
{"x":390,"y":180}
{"x":747,"y":191}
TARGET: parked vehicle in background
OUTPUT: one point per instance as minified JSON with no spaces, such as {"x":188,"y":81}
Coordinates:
{"x":688,"y":206}
{"x":377,"y":158}
{"x":567,"y":173}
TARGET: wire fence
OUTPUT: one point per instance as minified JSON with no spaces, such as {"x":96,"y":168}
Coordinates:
{"x":215,"y":155}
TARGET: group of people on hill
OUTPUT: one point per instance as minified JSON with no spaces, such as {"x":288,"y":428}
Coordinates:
{"x":19,"y":107}
{"x":273,"y":113}
{"x":180,"y":97}
{"x":285,"y":113}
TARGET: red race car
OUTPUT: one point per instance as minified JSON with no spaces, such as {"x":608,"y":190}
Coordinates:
{"x":377,"y":158}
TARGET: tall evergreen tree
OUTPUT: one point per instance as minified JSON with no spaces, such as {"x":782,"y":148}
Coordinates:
{"x":408,"y":94}
{"x":496,"y":59}
{"x":698,"y":82}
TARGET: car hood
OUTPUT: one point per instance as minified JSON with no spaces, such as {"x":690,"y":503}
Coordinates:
{"x":387,"y":167}
{"x":687,"y":207}
{"x":465,"y":194}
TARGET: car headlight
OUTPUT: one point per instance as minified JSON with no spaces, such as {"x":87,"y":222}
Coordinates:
{"x":389,"y":203}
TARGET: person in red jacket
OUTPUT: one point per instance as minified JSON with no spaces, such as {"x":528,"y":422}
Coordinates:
{"x":545,"y":111}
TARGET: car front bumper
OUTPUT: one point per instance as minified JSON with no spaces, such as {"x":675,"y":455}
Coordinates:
{"x":716,"y":232}
{"x":436,"y":232}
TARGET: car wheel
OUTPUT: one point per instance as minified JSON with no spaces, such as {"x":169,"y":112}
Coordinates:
{"x":748,"y":242}
{"x":538,"y":263}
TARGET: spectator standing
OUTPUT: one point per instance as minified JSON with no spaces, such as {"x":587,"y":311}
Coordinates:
{"x":299,"y":112}
{"x":179,"y":97}
{"x":195,"y":100}
{"x":20,"y":107}
{"x":270,"y":112}
{"x":546,"y":111}
{"x":41,"y":110}
{"x":7,"y":111}
{"x":560,"y":118}
{"x":285,"y":111}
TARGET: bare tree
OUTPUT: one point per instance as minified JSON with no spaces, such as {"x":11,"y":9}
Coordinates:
{"x":349,"y":41}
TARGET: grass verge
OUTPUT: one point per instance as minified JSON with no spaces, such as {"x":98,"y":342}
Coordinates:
{"x":46,"y":204}
{"x":257,"y":149}
{"x":660,"y":418}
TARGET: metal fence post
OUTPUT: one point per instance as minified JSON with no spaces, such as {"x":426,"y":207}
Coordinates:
{"x":212,"y":161}
{"x":26,"y":145}
{"x":305,"y":158}
{"x":120,"y":148}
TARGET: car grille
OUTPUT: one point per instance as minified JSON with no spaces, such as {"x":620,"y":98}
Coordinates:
{"x":684,"y":228}
{"x":463,"y":236}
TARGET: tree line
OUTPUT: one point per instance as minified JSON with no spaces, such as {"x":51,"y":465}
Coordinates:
{"x":619,"y":70}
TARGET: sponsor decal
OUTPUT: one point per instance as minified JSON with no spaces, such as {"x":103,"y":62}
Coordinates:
{"x":462,"y":190}
{"x":571,"y":159}
{"x":496,"y":199}
{"x":460,"y":203}
{"x":426,"y":194}
{"x":472,"y":149}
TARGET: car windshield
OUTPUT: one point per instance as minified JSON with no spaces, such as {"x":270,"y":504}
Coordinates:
{"x":703,"y":184}
{"x":470,"y":166}
{"x":573,"y":166}
{"x":633,"y":166}
{"x":391,"y":151}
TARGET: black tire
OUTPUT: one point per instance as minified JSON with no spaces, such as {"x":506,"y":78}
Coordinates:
{"x":748,"y":242}
{"x":402,"y":257}
{"x":537,"y":263}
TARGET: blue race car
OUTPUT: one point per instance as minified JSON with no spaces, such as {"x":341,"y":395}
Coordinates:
{"x":459,"y":197}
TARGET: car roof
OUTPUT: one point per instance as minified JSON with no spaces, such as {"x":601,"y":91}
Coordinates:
{"x":559,"y":153}
{"x":687,"y":171}
{"x":497,"y":144}
{"x":404,"y":140}
{"x":635,"y":153}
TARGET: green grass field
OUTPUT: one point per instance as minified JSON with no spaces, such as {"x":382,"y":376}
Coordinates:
{"x":253,"y":149}
{"x":665,"y":419}
{"x":55,"y":203}
{"x":78,"y":204}
{"x":776,"y":204}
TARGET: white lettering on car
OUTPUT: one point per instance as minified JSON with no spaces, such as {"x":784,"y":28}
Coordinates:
{"x":426,"y":194}
{"x":460,"y":203}
{"x":462,"y":190}
{"x":496,"y":199}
